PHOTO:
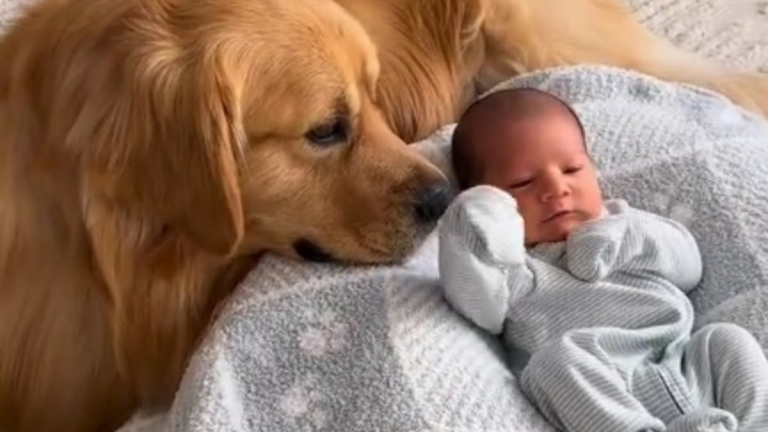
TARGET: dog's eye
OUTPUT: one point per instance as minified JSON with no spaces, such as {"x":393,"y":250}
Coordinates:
{"x":330,"y":133}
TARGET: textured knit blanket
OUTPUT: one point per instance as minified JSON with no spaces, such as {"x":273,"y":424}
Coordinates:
{"x":305,"y":347}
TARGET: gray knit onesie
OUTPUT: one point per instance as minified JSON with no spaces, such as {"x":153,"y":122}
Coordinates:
{"x":605,"y":318}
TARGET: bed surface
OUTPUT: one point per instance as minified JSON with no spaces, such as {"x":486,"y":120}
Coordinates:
{"x":735,"y":31}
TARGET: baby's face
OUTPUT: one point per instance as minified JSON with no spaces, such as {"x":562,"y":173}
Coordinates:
{"x":542,"y":162}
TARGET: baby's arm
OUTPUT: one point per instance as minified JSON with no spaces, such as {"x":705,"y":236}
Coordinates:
{"x":635,"y":241}
{"x":482,"y":256}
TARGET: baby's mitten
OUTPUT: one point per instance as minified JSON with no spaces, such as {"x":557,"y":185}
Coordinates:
{"x":481,"y":236}
{"x":594,"y":247}
{"x":487,"y":221}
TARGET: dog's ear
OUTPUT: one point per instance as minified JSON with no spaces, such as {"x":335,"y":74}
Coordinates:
{"x":169,"y":147}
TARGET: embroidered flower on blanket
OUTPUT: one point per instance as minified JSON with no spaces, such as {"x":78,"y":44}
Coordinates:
{"x":302,"y":404}
{"x":667,"y":205}
{"x":326,"y":337}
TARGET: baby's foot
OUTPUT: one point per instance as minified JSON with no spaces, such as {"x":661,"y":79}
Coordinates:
{"x":487,"y":221}
{"x":705,"y":420}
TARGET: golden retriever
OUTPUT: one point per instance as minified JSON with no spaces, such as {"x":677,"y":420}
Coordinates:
{"x":149,"y":149}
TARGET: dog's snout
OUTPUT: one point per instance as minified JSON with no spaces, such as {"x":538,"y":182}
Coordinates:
{"x":431,"y":201}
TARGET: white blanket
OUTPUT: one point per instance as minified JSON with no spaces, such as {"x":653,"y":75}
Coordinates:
{"x":317,"y":347}
{"x":306,"y":347}
{"x":10,"y":11}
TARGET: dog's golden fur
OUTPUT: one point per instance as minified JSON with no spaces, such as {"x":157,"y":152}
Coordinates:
{"x":150,"y":148}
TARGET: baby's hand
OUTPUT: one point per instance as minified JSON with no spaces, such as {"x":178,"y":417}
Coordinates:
{"x":489,"y":224}
{"x":481,"y":238}
{"x":594,"y":247}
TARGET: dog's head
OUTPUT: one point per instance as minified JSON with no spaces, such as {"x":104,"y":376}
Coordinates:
{"x":325,"y":176}
{"x":241,"y":125}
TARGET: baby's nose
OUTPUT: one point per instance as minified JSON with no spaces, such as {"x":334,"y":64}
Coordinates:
{"x":555,"y":187}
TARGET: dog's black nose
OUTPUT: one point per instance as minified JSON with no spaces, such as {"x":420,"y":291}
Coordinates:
{"x":431,"y":201}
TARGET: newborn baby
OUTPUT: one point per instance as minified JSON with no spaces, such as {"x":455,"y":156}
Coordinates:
{"x":594,"y":290}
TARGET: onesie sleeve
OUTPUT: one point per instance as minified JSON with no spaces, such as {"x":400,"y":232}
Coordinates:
{"x":482,"y":257}
{"x":638,"y":242}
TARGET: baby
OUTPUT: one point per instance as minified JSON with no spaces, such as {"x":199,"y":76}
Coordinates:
{"x":594,"y":290}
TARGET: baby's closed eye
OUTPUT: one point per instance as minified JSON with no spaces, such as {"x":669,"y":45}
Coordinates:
{"x":573,"y":169}
{"x":520,"y":183}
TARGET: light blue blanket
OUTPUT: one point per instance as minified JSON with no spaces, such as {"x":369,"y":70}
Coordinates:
{"x":305,"y":347}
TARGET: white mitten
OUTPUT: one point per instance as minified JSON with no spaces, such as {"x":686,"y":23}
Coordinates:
{"x":487,"y":220}
{"x":481,"y":236}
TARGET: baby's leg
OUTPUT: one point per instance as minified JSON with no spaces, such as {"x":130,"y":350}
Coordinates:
{"x":705,"y":420}
{"x":578,"y":388}
{"x":726,"y":368}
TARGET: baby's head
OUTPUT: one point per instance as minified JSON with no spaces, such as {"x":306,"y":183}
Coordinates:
{"x":530,"y":144}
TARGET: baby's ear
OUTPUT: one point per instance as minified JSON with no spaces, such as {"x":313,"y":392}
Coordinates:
{"x":166,"y":148}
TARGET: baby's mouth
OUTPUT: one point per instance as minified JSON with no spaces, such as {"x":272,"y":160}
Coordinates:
{"x":557,"y":215}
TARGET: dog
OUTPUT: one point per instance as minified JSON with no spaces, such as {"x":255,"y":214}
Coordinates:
{"x":150,"y":150}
